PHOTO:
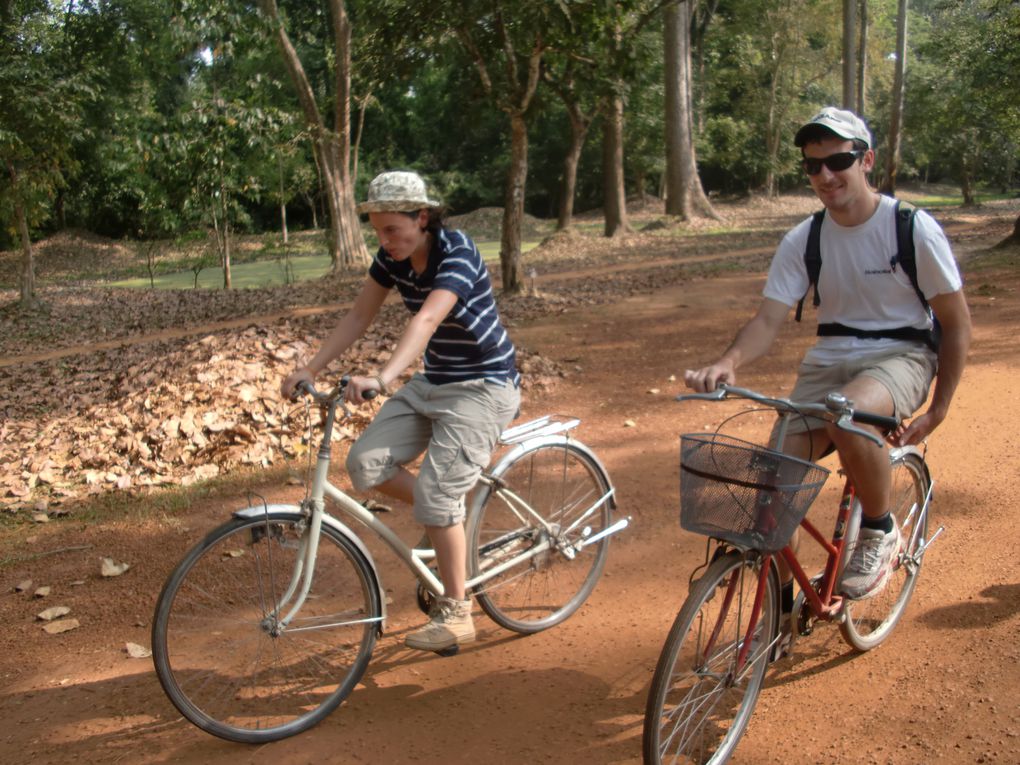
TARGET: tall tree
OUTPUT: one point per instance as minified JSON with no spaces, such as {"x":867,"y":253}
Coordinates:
{"x":42,"y":105}
{"x":963,"y":107}
{"x":624,"y":29}
{"x":892,"y":159}
{"x":332,"y":146}
{"x":849,"y":52}
{"x":506,"y":42}
{"x":684,"y":191}
{"x":862,"y":58}
{"x":571,"y":77}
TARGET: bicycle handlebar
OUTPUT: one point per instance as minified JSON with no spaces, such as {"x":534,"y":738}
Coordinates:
{"x":837,"y":409}
{"x":306,"y":387}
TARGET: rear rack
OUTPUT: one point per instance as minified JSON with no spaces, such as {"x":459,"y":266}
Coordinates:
{"x":548,"y":425}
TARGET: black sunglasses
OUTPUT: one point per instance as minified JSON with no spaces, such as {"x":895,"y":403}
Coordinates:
{"x":835,"y":162}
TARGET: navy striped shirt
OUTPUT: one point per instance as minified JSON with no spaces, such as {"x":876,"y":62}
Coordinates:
{"x":471,"y":343}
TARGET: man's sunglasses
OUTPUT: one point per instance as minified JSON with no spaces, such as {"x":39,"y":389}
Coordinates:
{"x":835,"y":162}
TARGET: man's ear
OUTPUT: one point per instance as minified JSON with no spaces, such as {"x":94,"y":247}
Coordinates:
{"x":868,"y":160}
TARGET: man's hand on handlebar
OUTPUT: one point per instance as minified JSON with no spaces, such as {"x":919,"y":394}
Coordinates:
{"x":915,"y":431}
{"x":707,"y":379}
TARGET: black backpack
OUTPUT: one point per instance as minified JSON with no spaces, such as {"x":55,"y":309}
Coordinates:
{"x":904,"y":258}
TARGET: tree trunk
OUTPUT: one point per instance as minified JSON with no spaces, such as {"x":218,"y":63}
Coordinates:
{"x":849,"y":47}
{"x":676,"y":200}
{"x":515,"y":102}
{"x":579,"y":125}
{"x":27,"y":282}
{"x":513,"y":207}
{"x":332,"y":149}
{"x":898,"y":98}
{"x":569,"y":188}
{"x":966,"y":187}
{"x":614,"y":192}
{"x":27,"y":278}
{"x":684,"y":192}
{"x":283,"y":204}
{"x":862,"y":58}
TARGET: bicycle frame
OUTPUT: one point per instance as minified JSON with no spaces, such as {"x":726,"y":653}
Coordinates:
{"x":545,"y":429}
{"x":822,"y":599}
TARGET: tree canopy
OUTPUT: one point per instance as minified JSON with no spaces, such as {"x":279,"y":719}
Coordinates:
{"x":144,"y":117}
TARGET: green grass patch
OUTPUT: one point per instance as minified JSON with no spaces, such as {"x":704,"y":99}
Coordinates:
{"x":265,"y":273}
{"x":931,"y":201}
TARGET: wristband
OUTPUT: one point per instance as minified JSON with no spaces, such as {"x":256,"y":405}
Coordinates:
{"x":384,"y":389}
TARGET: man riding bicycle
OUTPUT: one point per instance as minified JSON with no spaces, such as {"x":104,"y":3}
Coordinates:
{"x":876,"y":335}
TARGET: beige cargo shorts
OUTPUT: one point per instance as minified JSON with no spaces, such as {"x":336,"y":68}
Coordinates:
{"x":456,"y":425}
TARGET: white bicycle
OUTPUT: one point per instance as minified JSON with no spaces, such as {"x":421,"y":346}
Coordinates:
{"x":268,"y":623}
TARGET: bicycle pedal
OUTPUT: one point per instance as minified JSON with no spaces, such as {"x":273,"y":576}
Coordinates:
{"x":453,"y":650}
{"x":376,"y":507}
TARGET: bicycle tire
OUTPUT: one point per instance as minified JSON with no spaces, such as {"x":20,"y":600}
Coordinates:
{"x":697,"y":710}
{"x":559,"y":480}
{"x":867,"y":623}
{"x":212,"y":635}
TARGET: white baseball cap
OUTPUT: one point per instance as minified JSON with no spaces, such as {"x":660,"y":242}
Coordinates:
{"x":841,"y":122}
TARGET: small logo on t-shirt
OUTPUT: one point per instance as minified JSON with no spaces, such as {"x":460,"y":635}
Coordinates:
{"x":876,"y":271}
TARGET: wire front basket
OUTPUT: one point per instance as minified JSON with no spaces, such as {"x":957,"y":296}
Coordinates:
{"x":743,"y":493}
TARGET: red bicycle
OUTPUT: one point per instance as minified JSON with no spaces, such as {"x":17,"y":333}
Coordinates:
{"x":750,"y":499}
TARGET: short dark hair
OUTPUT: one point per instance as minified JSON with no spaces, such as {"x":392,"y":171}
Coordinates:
{"x":437,"y":217}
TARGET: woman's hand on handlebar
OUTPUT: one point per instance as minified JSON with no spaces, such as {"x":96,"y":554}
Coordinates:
{"x":361,"y":389}
{"x":289,"y":386}
{"x":707,"y":379}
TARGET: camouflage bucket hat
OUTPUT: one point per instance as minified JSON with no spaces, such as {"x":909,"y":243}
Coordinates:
{"x":397,"y":191}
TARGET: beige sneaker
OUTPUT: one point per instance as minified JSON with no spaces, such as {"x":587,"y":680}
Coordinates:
{"x":450,"y":624}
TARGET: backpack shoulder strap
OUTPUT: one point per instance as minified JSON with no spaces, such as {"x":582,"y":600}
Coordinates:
{"x":905,"y":256}
{"x":812,"y":260}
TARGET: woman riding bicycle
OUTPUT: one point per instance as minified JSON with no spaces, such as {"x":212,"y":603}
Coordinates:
{"x":455,"y":411}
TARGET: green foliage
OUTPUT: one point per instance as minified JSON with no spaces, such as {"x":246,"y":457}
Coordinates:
{"x":963,"y":116}
{"x":43,"y":102}
{"x":149,"y":118}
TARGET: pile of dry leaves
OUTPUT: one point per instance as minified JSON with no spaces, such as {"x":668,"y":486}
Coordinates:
{"x":172,"y":411}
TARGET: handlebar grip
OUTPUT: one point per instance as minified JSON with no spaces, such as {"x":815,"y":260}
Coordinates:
{"x":303,"y":386}
{"x":878,"y":420}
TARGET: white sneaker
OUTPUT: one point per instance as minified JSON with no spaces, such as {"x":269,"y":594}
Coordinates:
{"x":871,"y":562}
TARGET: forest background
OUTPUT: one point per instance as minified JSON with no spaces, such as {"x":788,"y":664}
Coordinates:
{"x":174,"y":122}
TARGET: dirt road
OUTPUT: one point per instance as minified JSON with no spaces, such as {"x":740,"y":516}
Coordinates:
{"x":942,"y":690}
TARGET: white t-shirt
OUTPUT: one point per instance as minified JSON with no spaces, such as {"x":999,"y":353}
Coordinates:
{"x":858,"y":285}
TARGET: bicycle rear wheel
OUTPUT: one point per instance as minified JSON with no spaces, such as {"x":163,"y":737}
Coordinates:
{"x":867,"y":623}
{"x":217,"y":645}
{"x":532,"y":518}
{"x":699,"y":705}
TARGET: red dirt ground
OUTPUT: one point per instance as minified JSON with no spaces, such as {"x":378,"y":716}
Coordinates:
{"x":943,"y":689}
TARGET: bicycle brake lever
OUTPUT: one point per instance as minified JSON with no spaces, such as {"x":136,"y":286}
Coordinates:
{"x":845,"y":422}
{"x":717,"y":395}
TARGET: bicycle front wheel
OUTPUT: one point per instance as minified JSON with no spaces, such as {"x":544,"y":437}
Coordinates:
{"x":868,"y":622}
{"x":220,"y":651}
{"x":530,"y":523}
{"x":700,"y":701}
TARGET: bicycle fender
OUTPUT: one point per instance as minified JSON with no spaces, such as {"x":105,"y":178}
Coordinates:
{"x":259,"y":511}
{"x":901,"y":451}
{"x":553,"y":440}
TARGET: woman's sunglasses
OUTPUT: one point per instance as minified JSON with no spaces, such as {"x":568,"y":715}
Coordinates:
{"x":835,"y":162}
